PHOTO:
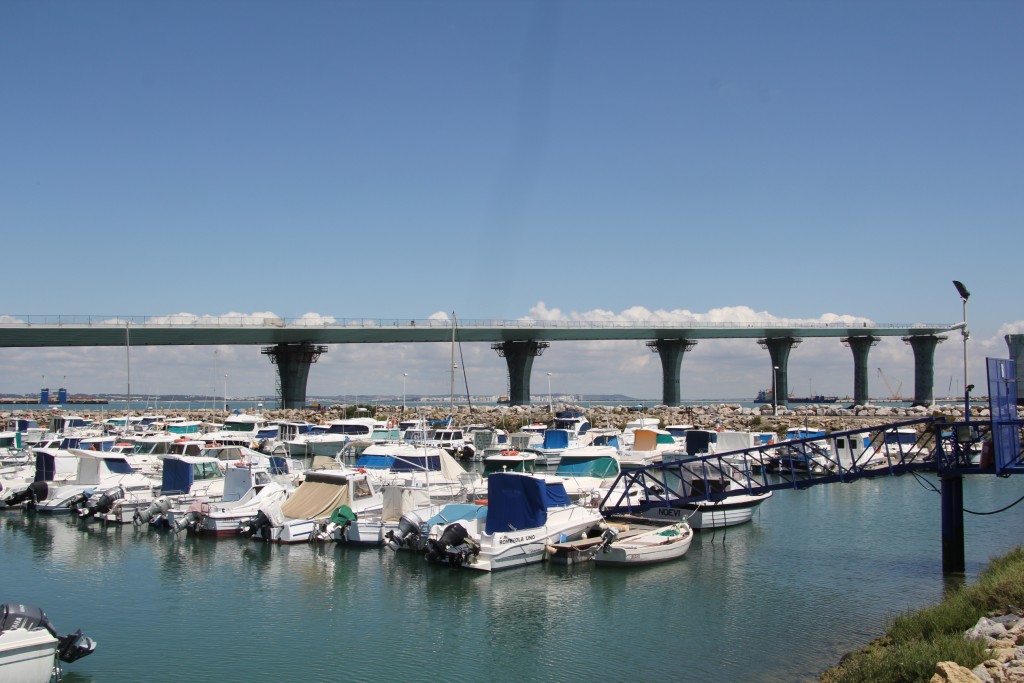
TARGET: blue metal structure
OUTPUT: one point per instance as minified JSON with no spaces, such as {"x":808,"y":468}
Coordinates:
{"x":950,"y":449}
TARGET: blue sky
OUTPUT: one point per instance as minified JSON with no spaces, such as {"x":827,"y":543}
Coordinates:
{"x":501,"y":160}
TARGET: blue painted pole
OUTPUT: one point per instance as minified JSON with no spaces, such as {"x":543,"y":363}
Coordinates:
{"x":953,"y":524}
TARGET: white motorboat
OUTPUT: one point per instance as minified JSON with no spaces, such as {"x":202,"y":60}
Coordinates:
{"x":710,"y":478}
{"x":404,"y":464}
{"x":398,"y":501}
{"x":246,"y":490}
{"x":525,"y":514}
{"x":307,"y":514}
{"x":103,"y":478}
{"x":647,"y":448}
{"x":334,"y":438}
{"x":184,"y":479}
{"x":643,"y":545}
{"x":30,"y":649}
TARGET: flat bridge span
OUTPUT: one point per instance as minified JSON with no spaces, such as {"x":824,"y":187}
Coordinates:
{"x":294,"y":344}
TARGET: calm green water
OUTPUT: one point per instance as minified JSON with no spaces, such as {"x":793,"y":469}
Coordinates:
{"x":815,"y":575}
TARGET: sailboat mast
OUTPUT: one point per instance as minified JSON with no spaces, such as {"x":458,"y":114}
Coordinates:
{"x":451,"y":390}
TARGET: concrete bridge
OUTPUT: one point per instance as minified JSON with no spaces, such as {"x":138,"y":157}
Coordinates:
{"x":295,"y":344}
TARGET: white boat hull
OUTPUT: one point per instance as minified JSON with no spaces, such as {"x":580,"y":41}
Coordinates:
{"x":27,"y":656}
{"x":646,"y":548}
{"x":710,"y":515}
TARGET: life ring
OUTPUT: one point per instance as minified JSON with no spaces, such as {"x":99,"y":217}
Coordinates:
{"x":361,"y":470}
{"x":510,"y":452}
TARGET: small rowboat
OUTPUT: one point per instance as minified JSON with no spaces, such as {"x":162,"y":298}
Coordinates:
{"x":644,"y":545}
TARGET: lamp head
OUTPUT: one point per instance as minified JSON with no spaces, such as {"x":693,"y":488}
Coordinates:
{"x":964,"y":294}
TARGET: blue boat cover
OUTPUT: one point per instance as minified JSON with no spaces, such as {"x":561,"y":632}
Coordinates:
{"x":457,"y":511}
{"x":417,"y":463}
{"x":177,"y":476}
{"x":375,"y":462}
{"x":46,"y":466}
{"x":555,"y":495}
{"x":556,"y":438}
{"x":606,"y":440}
{"x":515,"y":502}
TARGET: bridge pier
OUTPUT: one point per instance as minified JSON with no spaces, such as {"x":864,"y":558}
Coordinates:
{"x":860,"y":345}
{"x":924,"y":366}
{"x":293,"y":361}
{"x":1015,"y":342}
{"x":778,"y":349}
{"x":671,"y":352}
{"x":519,"y":357}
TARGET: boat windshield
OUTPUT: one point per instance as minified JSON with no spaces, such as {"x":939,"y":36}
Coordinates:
{"x":360,"y":430}
{"x":505,"y":464}
{"x":118,"y":466}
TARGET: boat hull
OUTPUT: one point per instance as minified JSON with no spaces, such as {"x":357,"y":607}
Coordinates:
{"x":27,"y":656}
{"x":646,"y":548}
{"x":707,"y":514}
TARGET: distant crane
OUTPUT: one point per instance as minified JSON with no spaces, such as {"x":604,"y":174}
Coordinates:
{"x":893,"y":395}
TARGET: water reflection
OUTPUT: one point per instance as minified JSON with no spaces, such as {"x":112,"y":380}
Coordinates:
{"x":829,"y":563}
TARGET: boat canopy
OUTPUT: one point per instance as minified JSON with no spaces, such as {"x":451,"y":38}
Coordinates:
{"x":556,"y":438}
{"x":317,"y":497}
{"x":607,"y":440}
{"x":370,"y":461}
{"x":601,"y":466}
{"x":516,"y":502}
{"x":700,"y":441}
{"x":179,"y":473}
{"x":455,"y":512}
{"x":399,"y":500}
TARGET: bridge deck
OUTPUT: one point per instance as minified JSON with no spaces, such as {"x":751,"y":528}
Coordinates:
{"x":28,"y":331}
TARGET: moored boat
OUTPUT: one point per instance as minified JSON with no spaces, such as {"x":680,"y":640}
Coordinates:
{"x":643,"y":545}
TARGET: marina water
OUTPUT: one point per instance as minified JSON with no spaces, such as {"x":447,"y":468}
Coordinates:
{"x":816,"y":574}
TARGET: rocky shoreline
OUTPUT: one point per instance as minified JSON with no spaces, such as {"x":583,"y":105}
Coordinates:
{"x":732,"y":416}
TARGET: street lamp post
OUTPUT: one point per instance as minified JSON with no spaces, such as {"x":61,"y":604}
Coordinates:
{"x":404,"y":375}
{"x":964,"y":296}
{"x":225,"y":393}
{"x":551,"y":408}
{"x":775,"y":397}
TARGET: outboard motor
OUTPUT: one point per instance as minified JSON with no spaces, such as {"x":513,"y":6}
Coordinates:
{"x":157,"y":508}
{"x":410,"y":527}
{"x":103,"y":504}
{"x":260,"y":524}
{"x":453,"y":548}
{"x":186,"y":521}
{"x":31,"y":494}
{"x":71,"y":647}
{"x":608,"y":536}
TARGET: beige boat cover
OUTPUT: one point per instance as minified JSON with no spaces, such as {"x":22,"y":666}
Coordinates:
{"x":644,"y":440}
{"x":401,"y":499}
{"x":316,"y":500}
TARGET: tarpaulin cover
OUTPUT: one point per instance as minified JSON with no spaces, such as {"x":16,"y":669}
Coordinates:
{"x":556,"y":438}
{"x":316,"y":499}
{"x":177,"y":476}
{"x":515,"y":502}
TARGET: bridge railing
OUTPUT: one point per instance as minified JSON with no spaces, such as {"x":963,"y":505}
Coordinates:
{"x":318,"y":321}
{"x":843,"y":456}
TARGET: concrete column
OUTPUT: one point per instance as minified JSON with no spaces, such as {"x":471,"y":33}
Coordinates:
{"x":1015,"y":342}
{"x":519,"y":357}
{"x":671,"y":352}
{"x":860,"y":346}
{"x":778,"y":349}
{"x":293,"y":361}
{"x":924,"y":366}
